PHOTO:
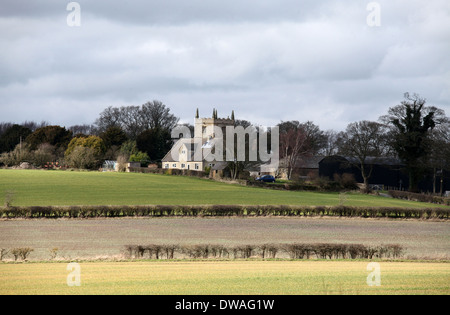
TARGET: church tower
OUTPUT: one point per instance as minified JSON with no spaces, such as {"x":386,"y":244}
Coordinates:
{"x":204,"y":127}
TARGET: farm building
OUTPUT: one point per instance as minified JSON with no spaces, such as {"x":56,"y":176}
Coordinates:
{"x":110,"y":166}
{"x":113,"y":166}
{"x":388,"y":173}
{"x":305,"y":167}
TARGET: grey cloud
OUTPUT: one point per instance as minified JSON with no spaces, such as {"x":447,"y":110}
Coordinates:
{"x":168,"y":11}
{"x":267,"y":60}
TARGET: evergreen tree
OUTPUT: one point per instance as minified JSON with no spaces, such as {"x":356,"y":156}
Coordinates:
{"x":412,"y":123}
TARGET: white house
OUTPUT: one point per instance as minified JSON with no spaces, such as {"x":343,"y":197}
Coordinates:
{"x":196,"y":153}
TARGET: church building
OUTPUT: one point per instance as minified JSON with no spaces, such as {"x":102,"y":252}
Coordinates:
{"x":195,"y":153}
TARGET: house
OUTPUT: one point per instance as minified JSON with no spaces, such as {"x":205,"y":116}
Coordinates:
{"x":196,"y":154}
{"x":207,"y":150}
{"x":305,"y":167}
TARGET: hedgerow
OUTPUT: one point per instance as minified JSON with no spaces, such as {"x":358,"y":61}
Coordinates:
{"x":221,"y":210}
{"x":294,"y":251}
{"x":405,"y":195}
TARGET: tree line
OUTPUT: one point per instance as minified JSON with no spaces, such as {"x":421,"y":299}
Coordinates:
{"x":128,"y":133}
{"x":417,"y":134}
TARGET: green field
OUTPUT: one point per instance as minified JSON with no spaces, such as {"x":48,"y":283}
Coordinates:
{"x":226,"y":277}
{"x":63,"y":188}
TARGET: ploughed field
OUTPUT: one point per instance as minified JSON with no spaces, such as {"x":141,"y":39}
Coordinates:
{"x":107,"y":238}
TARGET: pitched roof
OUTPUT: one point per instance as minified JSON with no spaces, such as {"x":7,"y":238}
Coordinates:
{"x":311,"y":162}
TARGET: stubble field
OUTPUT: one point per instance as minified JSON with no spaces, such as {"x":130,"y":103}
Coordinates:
{"x":227,"y":278}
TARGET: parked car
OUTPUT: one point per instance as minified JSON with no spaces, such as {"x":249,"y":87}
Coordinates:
{"x":266,"y":179}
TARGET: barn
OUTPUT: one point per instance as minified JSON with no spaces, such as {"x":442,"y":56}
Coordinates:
{"x":387,"y":172}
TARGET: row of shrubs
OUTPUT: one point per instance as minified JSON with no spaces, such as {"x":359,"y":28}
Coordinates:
{"x":18,"y":253}
{"x":219,"y":210}
{"x":342,"y":182}
{"x":294,"y":251}
{"x":164,"y":171}
{"x":284,"y":186}
{"x":419,"y":197}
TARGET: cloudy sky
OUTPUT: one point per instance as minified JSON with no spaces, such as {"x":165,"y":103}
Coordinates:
{"x":326,"y":61}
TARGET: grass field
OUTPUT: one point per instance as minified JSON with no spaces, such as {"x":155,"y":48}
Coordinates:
{"x":225,"y":277}
{"x":59,"y":188}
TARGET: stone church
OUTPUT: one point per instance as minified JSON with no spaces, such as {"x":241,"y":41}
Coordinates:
{"x":196,"y":153}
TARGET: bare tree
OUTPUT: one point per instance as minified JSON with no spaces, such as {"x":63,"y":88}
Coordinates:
{"x":361,"y":141}
{"x":33,"y":126}
{"x":131,"y":121}
{"x":87,"y":130}
{"x":331,"y":146}
{"x":440,"y":154}
{"x":134,"y":120}
{"x":315,"y":137}
{"x":5,"y":126}
{"x":294,"y":144}
{"x":110,"y":117}
{"x":157,"y":115}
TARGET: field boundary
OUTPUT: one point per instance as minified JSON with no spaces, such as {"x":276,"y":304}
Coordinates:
{"x":268,"y":250}
{"x":55,"y":212}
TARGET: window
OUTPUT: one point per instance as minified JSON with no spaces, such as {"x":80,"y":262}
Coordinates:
{"x":183,"y":165}
{"x":166,"y":165}
{"x":196,"y":166}
{"x":174,"y":165}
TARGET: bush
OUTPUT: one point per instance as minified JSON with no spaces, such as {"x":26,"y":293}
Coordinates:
{"x":294,"y":251}
{"x":43,"y":155}
{"x":21,"y":253}
{"x":9,"y":198}
{"x":17,"y":156}
{"x":140,"y":157}
{"x":419,"y":197}
{"x":93,"y":142}
{"x":3,"y":253}
{"x":82,"y":158}
{"x":53,"y":253}
{"x":346,"y":181}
